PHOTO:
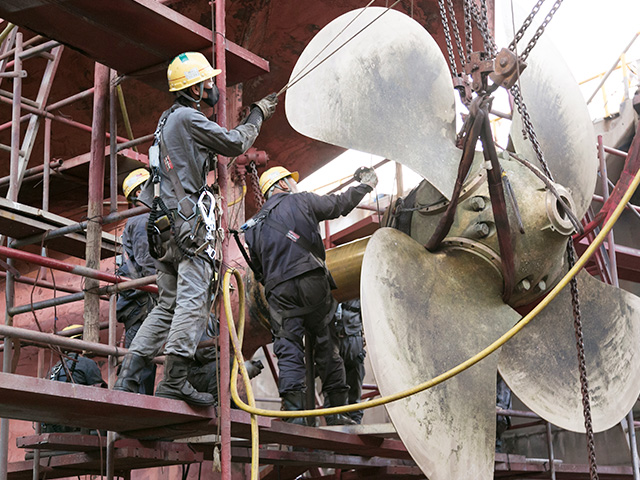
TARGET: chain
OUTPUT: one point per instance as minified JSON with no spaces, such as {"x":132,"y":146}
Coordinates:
{"x":540,"y":30}
{"x":254,"y":184}
{"x":528,"y":130}
{"x":483,"y":25}
{"x":456,"y":33}
{"x":584,"y":385}
{"x":468,"y":29}
{"x":447,"y":36}
{"x":526,"y":24}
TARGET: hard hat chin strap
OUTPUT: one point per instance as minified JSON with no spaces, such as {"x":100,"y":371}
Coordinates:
{"x":286,"y":180}
{"x":190,"y":98}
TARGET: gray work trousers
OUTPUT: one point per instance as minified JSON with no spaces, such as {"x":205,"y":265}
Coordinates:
{"x":181,"y":314}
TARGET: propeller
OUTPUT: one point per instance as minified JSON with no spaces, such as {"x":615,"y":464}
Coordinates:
{"x":412,"y":334}
{"x":545,"y":351}
{"x":388,"y":91}
{"x":359,"y":98}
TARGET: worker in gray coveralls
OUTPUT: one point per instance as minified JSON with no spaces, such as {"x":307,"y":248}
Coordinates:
{"x":186,"y":142}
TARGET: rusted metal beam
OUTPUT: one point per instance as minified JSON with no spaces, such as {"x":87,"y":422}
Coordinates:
{"x":219,"y":60}
{"x":96,"y":196}
{"x":94,"y":27}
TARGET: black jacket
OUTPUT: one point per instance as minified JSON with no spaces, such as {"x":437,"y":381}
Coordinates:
{"x":277,"y":257}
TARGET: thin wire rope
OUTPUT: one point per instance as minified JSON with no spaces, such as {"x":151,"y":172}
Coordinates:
{"x":292,"y":83}
{"x":293,"y":80}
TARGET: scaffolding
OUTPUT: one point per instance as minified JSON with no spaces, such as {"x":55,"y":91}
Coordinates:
{"x":144,"y":432}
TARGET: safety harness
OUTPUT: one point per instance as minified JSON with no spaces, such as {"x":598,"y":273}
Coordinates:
{"x":161,"y":219}
{"x":278,"y":317}
{"x":57,"y":370}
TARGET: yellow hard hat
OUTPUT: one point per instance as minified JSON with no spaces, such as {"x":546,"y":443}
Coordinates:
{"x":134,"y":180}
{"x":273,"y":175}
{"x":73,"y":327}
{"x":188,"y":69}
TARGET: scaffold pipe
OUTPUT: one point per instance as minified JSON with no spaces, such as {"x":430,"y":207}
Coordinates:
{"x":76,"y":297}
{"x":67,"y":343}
{"x":69,"y":267}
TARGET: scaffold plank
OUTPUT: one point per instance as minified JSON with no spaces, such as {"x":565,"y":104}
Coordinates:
{"x":316,"y":458}
{"x":563,"y":471}
{"x":32,"y":399}
{"x":346,"y":443}
{"x":382,"y":473}
{"x":125,"y":460}
{"x":150,"y":33}
{"x":19,"y":221}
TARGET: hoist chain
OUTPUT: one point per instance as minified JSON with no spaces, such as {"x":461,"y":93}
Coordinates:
{"x":447,"y":36}
{"x":254,"y":184}
{"x":539,"y":31}
{"x":584,"y":384}
{"x":468,"y":29}
{"x":456,"y":33}
{"x":526,"y":24}
{"x":528,"y":130}
{"x":483,"y":25}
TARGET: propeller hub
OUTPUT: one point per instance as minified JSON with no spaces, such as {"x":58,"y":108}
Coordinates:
{"x":538,"y":252}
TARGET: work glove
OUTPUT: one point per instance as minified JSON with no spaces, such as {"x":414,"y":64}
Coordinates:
{"x":254,"y":367}
{"x":267,"y":105}
{"x":366,"y":176}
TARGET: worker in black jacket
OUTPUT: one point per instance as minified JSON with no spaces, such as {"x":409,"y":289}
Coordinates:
{"x":76,"y":369}
{"x":288,"y":256}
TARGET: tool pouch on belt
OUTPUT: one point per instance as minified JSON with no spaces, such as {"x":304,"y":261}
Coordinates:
{"x":158,"y":228}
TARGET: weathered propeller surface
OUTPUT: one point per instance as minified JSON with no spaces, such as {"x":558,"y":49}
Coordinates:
{"x":386,"y":92}
{"x":541,"y":366}
{"x":424,"y":314}
{"x":561,"y":121}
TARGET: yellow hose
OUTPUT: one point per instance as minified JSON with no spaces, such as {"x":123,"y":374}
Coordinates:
{"x":244,"y":192}
{"x":237,"y":342}
{"x":448,"y":374}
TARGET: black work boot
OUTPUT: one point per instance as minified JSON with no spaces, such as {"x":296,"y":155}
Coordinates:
{"x":337,"y":399}
{"x":130,"y":373}
{"x":292,"y":401}
{"x":175,"y":384}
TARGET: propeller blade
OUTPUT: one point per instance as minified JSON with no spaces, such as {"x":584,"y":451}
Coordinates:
{"x":425,"y":313}
{"x":540,"y":364}
{"x":561,"y":121}
{"x":387,"y":91}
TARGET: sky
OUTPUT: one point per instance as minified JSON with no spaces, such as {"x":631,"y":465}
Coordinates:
{"x":589,"y":34}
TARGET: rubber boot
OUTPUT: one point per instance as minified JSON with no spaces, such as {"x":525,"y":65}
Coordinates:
{"x":337,"y":399}
{"x":175,"y":384}
{"x":292,"y":401}
{"x":130,"y":373}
